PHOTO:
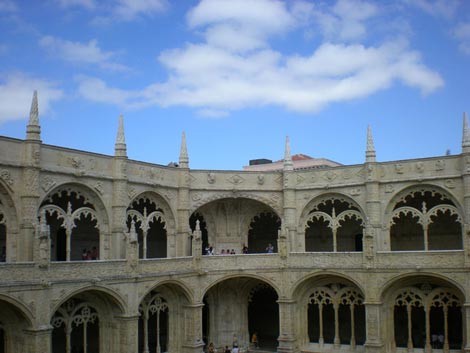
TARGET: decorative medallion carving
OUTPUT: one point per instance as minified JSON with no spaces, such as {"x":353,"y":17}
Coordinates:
{"x":236,"y":179}
{"x":99,"y":187}
{"x":211,"y":178}
{"x":260,"y":179}
{"x":449,"y":183}
{"x":355,"y":191}
{"x":399,"y":168}
{"x":330,"y":175}
{"x":389,"y":188}
{"x":196,"y":196}
{"x":440,"y":164}
{"x":420,"y":167}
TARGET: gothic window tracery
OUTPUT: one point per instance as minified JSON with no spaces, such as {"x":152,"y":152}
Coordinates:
{"x":154,"y":316}
{"x":75,"y":328}
{"x":336,"y":315}
{"x":425,"y":220}
{"x":334,"y":224}
{"x":151,"y":226}
{"x":74,"y":225}
{"x":427,"y":316}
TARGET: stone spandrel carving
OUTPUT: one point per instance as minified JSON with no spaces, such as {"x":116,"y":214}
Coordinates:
{"x":260,"y":179}
{"x":399,"y":169}
{"x":236,"y":179}
{"x":440,"y":164}
{"x":6,"y":177}
{"x":48,"y":183}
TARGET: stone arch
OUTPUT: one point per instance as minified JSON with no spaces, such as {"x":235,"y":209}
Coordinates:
{"x":155,"y":224}
{"x":227,"y":221}
{"x":330,"y":310}
{"x":175,"y":285}
{"x":251,"y":302}
{"x":164,"y":311}
{"x":271,"y":202}
{"x":87,"y":317}
{"x":78,"y":222}
{"x":424,"y":217}
{"x":419,"y":308}
{"x":332,"y":222}
{"x":8,"y":224}
{"x":15,"y":318}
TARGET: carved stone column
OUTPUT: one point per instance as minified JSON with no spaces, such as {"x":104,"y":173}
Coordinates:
{"x":129,"y":329}
{"x":38,"y":339}
{"x":466,"y":326}
{"x":193,"y":342}
{"x":374,"y":324}
{"x":287,"y":338}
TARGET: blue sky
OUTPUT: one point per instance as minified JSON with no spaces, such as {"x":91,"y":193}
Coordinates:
{"x":238,"y":76}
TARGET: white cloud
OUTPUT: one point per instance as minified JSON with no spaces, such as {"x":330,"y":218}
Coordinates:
{"x":7,"y":6}
{"x":16,"y":91}
{"x":236,"y":67}
{"x":462,"y":33}
{"x":82,"y":53}
{"x":128,"y":10}
{"x":89,"y":4}
{"x":438,"y":8}
{"x":346,"y":20}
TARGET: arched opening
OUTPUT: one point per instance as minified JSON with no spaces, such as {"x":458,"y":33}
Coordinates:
{"x":427,"y":314}
{"x":263,"y":233}
{"x":3,"y":239}
{"x":263,"y":316}
{"x":84,"y":323}
{"x":239,"y":307}
{"x":13,"y":324}
{"x":164,"y":312}
{"x":73,"y":224}
{"x":333,"y":224}
{"x":237,"y":225}
{"x":202,"y":225}
{"x":153,"y":324}
{"x":151,"y":226}
{"x":425,"y":220}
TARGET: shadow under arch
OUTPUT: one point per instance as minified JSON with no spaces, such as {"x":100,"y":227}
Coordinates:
{"x":163,"y":313}
{"x":423,"y":310}
{"x":332,"y":222}
{"x":424,"y":217}
{"x":238,"y":307}
{"x":237,"y":224}
{"x":15,"y":319}
{"x":155,"y":223}
{"x":78,"y":221}
{"x":8,"y":224}
{"x":330,"y":310}
{"x":87,"y":319}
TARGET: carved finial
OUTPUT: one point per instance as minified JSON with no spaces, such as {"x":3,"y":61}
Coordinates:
{"x":33,"y":130}
{"x":120,"y":149}
{"x":133,"y":233}
{"x":198,"y":225}
{"x":465,"y":134}
{"x":288,"y":165}
{"x":184,"y":159}
{"x":370,"y":149}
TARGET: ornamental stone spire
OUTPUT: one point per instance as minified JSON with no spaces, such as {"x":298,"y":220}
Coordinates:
{"x":33,"y":130}
{"x":184,"y":159}
{"x":120,"y":148}
{"x":288,"y":165}
{"x":370,"y":149}
{"x":465,"y":135}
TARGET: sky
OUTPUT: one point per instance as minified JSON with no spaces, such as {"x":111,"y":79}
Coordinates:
{"x":238,"y":76}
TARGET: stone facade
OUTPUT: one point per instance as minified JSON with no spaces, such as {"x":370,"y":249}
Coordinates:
{"x":372,"y":257}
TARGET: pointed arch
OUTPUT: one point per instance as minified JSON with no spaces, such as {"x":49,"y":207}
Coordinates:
{"x":8,"y":225}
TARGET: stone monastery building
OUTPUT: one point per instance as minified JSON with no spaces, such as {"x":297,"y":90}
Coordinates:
{"x":106,"y":254}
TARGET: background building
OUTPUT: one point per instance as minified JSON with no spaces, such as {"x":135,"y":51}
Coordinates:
{"x":105,"y":254}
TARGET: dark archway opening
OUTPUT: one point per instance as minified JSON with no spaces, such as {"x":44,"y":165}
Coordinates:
{"x":263,"y":317}
{"x":92,"y":337}
{"x":205,"y":322}
{"x":2,"y":340}
{"x":3,"y":241}
{"x":202,"y":225}
{"x":263,"y":233}
{"x":318,"y":236}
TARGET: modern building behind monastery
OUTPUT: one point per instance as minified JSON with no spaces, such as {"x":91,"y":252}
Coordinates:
{"x":106,"y":254}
